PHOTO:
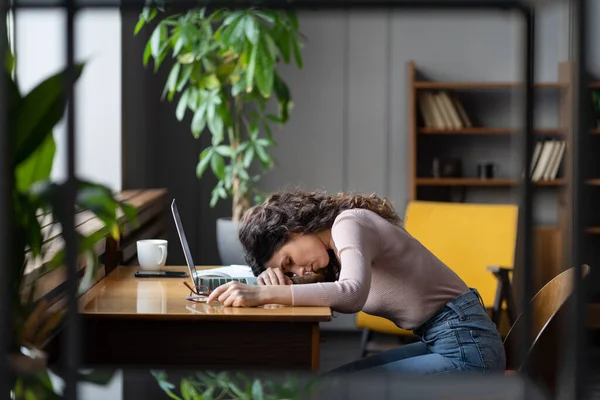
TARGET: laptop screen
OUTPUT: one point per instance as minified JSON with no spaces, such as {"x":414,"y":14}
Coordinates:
{"x":184,"y":243}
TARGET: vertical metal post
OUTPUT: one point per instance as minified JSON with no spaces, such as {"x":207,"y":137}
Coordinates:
{"x":72,"y":337}
{"x":6,"y":246}
{"x":526,"y":190}
{"x":575,"y":369}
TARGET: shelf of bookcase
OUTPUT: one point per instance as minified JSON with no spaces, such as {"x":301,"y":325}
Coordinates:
{"x":595,"y":131}
{"x":481,"y":182}
{"x":595,"y":85}
{"x":481,"y":85}
{"x":593,"y":182}
{"x":485,"y":131}
{"x":593,"y":229}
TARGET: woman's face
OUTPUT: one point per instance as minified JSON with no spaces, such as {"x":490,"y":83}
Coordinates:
{"x":302,"y":253}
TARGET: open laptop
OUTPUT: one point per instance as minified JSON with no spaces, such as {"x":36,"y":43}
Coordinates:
{"x":197,"y":278}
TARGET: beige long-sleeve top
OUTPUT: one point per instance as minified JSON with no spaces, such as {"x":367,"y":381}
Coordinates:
{"x":384,"y":272}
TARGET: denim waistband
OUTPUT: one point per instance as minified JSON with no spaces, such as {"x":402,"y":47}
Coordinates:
{"x":459,"y":305}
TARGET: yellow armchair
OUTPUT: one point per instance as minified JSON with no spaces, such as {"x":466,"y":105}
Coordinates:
{"x":468,"y":238}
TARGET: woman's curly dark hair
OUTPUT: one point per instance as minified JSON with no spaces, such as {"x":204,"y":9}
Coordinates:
{"x":266,"y":227}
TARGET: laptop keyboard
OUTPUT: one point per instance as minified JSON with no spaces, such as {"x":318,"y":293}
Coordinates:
{"x":213,"y":283}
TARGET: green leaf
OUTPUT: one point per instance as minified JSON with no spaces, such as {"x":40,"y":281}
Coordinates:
{"x":232,"y":17}
{"x":251,"y":29}
{"x":9,"y":61}
{"x":187,"y":58}
{"x":218,"y":165}
{"x":254,"y":132}
{"x":251,"y":70}
{"x":147,"y":53}
{"x":166,"y":386}
{"x":205,"y":158}
{"x":130,"y":212}
{"x":284,"y":99}
{"x":214,"y":198}
{"x":38,"y":166}
{"x":193,"y":100}
{"x":199,"y":120}
{"x":138,"y":27}
{"x":257,"y":390}
{"x":297,"y":55}
{"x":264,"y":157}
{"x":264,"y":15}
{"x":187,"y":390}
{"x":215,"y":124}
{"x":232,"y":33}
{"x":185,"y":76}
{"x":265,"y":69}
{"x":182,"y":105}
{"x":283,"y":39}
{"x":37,"y":114}
{"x":264,"y":142}
{"x":248,"y":157}
{"x":293,"y":20}
{"x":268,"y":130}
{"x":228,"y":180}
{"x":173,"y":77}
{"x":157,"y":38}
{"x":209,"y":81}
{"x":224,"y":150}
{"x":225,"y":115}
{"x":163,"y":54}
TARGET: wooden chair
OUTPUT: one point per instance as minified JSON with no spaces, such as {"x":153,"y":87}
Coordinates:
{"x":468,"y":238}
{"x":542,"y":358}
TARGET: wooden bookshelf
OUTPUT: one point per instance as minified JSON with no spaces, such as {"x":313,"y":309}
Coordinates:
{"x":484,"y":131}
{"x":424,"y":145}
{"x":481,"y":182}
{"x":595,"y":85}
{"x":419,"y":128}
{"x":481,"y":85}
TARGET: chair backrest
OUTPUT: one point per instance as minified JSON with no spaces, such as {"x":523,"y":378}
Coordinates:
{"x":543,"y":356}
{"x":467,"y":237}
{"x":544,"y":307}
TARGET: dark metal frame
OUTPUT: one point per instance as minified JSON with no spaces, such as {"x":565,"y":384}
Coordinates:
{"x":72,"y":342}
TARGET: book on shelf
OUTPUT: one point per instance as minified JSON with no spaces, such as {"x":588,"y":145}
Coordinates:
{"x":547,"y":158}
{"x":442,"y":110}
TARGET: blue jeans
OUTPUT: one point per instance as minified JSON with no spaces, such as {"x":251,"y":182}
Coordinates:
{"x":460,"y":337}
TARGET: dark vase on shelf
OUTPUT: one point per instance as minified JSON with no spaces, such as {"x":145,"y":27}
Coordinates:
{"x":446,"y":168}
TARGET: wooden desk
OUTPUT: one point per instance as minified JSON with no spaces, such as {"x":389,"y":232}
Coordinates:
{"x":147,"y":322}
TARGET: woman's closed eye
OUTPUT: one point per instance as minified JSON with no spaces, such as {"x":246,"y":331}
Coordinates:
{"x":287,"y":263}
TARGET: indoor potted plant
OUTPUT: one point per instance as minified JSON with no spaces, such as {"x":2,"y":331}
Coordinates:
{"x":208,"y":385}
{"x":31,"y":118}
{"x":224,"y":71}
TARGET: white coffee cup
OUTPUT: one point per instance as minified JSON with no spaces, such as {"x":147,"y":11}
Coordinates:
{"x":152,"y":253}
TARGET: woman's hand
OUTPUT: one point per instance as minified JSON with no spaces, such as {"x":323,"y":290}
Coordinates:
{"x":236,"y":294}
{"x":273,"y":276}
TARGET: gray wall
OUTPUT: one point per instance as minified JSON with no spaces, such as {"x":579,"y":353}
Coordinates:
{"x":349,"y":128}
